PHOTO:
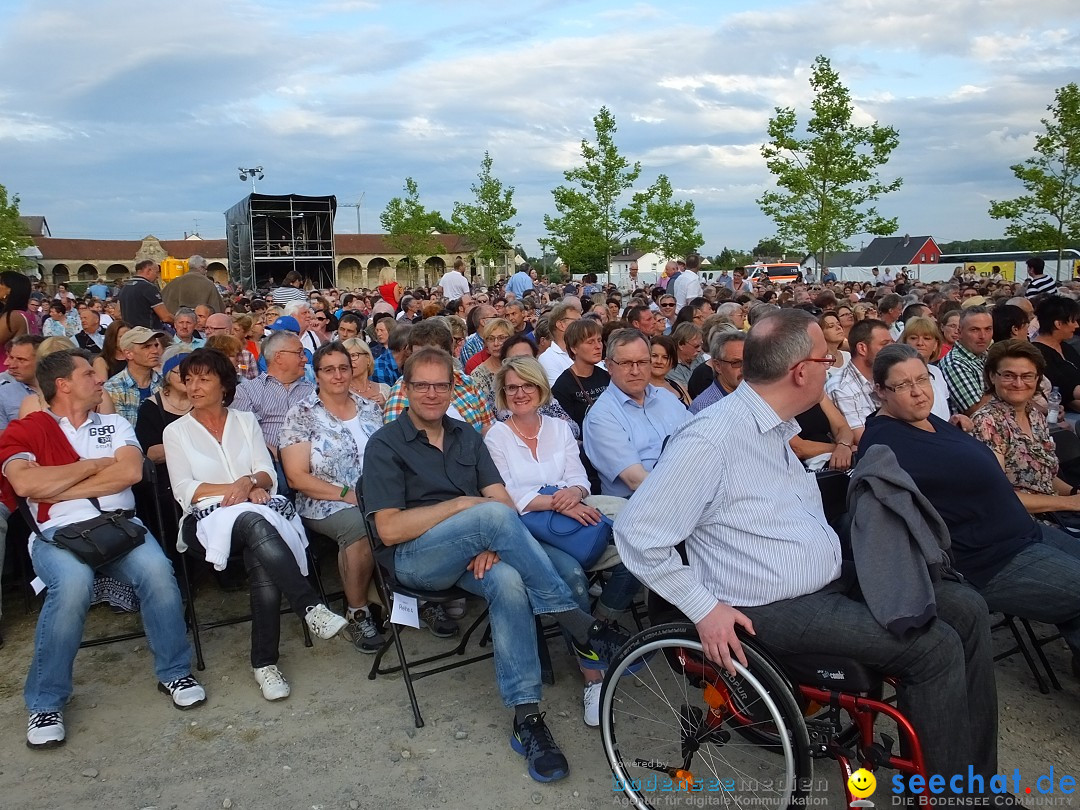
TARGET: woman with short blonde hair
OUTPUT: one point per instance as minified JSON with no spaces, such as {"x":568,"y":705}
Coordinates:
{"x":363,"y":363}
{"x":530,"y":371}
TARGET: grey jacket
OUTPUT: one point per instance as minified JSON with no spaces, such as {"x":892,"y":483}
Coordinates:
{"x":898,"y":541}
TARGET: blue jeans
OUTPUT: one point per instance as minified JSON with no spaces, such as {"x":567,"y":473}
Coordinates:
{"x":522,"y":585}
{"x":1041,"y":582}
{"x":60,"y":626}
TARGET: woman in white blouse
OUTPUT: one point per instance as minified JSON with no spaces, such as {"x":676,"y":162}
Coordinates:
{"x":223,"y":477}
{"x":533,"y":451}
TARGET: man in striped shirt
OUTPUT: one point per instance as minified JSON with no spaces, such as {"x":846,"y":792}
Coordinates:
{"x":764,"y":559}
{"x":1038,"y":283}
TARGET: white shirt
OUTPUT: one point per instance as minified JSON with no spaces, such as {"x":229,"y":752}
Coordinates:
{"x":557,"y":461}
{"x":100,"y":436}
{"x":687,"y":288}
{"x":555,"y":361}
{"x":454,"y":284}
{"x":746,"y":545}
{"x":941,"y":393}
{"x":194,"y":456}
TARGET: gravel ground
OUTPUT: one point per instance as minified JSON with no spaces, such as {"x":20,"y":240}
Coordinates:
{"x":342,"y":741}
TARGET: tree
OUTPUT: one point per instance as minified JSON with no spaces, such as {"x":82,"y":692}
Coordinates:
{"x":13,"y":236}
{"x":666,"y":226}
{"x":409,"y":225}
{"x":827,"y":180}
{"x":769,"y":248}
{"x":592,"y":221}
{"x":487,"y":222}
{"x":1048,"y":216}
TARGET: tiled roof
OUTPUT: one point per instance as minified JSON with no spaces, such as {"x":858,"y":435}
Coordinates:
{"x":891,"y":250}
{"x":124,"y":250}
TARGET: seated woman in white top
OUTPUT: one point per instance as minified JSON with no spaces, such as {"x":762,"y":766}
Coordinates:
{"x":532,"y":452}
{"x":223,"y":477}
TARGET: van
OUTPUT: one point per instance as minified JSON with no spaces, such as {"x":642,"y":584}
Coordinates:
{"x":773,"y":272}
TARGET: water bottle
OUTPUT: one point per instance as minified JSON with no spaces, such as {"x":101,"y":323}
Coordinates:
{"x":1053,"y":407}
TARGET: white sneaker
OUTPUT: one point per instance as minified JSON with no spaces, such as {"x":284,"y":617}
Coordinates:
{"x":45,"y":730}
{"x":323,"y":622}
{"x":186,"y":692}
{"x":591,"y":699}
{"x":272,"y":682}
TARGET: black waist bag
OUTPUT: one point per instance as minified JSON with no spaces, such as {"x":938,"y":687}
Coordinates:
{"x":99,"y":540}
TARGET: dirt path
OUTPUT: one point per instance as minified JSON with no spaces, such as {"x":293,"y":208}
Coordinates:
{"x":341,"y":741}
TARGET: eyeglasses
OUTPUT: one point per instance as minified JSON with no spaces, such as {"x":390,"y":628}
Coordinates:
{"x":355,"y":355}
{"x":1027,"y":378}
{"x":333,"y":369}
{"x":732,"y":363}
{"x":523,"y":388}
{"x":667,"y":305}
{"x":909,"y":385}
{"x":425,"y":387}
{"x":633,"y":365}
{"x":299,"y":352}
{"x":829,"y":358}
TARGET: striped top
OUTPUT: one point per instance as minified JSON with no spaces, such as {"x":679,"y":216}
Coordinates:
{"x":1037,"y":285}
{"x":729,"y":483}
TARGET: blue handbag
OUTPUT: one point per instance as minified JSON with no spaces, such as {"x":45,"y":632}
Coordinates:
{"x":584,"y":543}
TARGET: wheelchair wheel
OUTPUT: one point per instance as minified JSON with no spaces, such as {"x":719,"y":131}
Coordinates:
{"x":676,"y":728}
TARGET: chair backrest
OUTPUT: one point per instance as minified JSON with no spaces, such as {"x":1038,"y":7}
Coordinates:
{"x":833,"y":486}
{"x":383,"y":554}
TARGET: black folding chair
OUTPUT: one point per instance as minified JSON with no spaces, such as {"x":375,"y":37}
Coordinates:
{"x":388,"y":584}
{"x":187,"y":532}
{"x":152,"y":520}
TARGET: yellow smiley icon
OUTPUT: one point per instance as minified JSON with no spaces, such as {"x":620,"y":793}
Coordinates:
{"x":862,"y":783}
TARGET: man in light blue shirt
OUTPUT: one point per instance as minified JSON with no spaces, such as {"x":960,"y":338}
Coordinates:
{"x":625,"y":429}
{"x":520,"y":281}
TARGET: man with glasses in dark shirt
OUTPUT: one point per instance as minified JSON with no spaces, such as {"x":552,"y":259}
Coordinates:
{"x":438,"y":500}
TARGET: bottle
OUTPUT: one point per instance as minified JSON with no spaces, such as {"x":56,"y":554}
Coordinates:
{"x":1053,"y":406}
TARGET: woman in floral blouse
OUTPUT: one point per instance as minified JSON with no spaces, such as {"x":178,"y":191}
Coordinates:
{"x":1016,"y":430}
{"x":322,"y":445}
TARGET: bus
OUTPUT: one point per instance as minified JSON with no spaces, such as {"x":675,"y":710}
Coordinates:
{"x":1012,"y":265}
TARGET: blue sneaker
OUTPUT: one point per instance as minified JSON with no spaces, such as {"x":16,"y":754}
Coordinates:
{"x":533,"y":740}
{"x":605,"y":641}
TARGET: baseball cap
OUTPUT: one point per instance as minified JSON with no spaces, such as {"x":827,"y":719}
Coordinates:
{"x":286,"y":323}
{"x":138,"y":335}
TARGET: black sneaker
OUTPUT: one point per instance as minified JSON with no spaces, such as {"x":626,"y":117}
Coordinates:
{"x":363,"y":633}
{"x":605,"y":640}
{"x":440,"y":625}
{"x":533,"y":740}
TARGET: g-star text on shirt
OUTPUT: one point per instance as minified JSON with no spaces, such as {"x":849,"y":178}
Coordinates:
{"x":103,"y":434}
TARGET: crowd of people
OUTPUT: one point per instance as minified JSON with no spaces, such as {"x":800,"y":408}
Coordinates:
{"x":480,"y":405}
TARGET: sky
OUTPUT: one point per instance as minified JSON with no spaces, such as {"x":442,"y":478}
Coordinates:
{"x":120,"y":119}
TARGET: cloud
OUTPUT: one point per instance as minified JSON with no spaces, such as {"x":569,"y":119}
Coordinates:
{"x":141,"y":112}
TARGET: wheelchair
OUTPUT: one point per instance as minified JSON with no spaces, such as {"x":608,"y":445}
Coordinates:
{"x":680,"y":731}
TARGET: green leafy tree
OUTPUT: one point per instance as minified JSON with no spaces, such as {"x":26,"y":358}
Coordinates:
{"x":13,"y":236}
{"x":770,"y":248}
{"x":828,"y":180}
{"x":592,"y":220}
{"x":1047,"y":217}
{"x":408,"y":226}
{"x":487,"y":222}
{"x":666,"y":226}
